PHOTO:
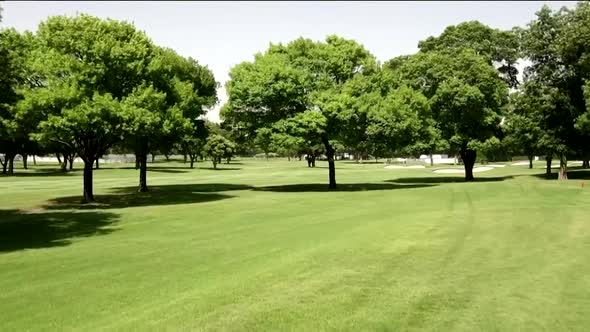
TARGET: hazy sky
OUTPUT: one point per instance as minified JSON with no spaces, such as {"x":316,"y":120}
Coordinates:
{"x":222,"y":34}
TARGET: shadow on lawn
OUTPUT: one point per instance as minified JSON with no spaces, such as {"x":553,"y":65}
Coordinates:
{"x":152,"y":168}
{"x":42,"y":173}
{"x":163,"y":170}
{"x":447,"y":179}
{"x":221,"y":168}
{"x":323,"y":187}
{"x":573,"y":173}
{"x":21,"y":230}
{"x":157,"y":195}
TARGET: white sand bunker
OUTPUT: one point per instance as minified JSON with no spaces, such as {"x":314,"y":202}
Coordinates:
{"x":462,"y":171}
{"x":569,"y":163}
{"x":399,"y":166}
{"x":496,"y":165}
{"x":520,"y":163}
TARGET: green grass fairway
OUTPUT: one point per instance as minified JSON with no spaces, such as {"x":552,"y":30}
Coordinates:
{"x":263,"y":246}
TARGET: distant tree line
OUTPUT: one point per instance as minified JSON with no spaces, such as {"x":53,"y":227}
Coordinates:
{"x":84,"y":87}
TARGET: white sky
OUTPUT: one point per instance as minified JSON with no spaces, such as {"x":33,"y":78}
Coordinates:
{"x":222,"y":34}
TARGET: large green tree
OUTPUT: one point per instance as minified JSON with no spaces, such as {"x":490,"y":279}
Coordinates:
{"x":500,"y":47}
{"x":465,"y":94}
{"x":15,"y":75}
{"x":549,"y":43}
{"x":89,"y":67}
{"x":188,"y":91}
{"x":299,"y":81}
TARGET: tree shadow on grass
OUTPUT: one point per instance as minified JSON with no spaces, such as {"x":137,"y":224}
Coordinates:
{"x":152,"y":168}
{"x":163,"y":170}
{"x":221,"y":168}
{"x":42,"y":173}
{"x":447,"y":179}
{"x":156,"y":195}
{"x":577,"y":173}
{"x":323,"y":187}
{"x":21,"y":230}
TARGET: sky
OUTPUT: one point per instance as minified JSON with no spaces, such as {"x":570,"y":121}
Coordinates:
{"x":223,"y":34}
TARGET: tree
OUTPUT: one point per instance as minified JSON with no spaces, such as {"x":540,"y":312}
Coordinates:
{"x":90,"y":128}
{"x":194,"y":140}
{"x":90,"y":66}
{"x":583,"y":123}
{"x":286,"y":145}
{"x":15,"y":49}
{"x":501,"y":48}
{"x":181,"y":91}
{"x":573,"y":46}
{"x":552,"y":73}
{"x":465,"y":95}
{"x":523,"y":123}
{"x":146,"y":108}
{"x":400,"y":121}
{"x":218,"y":147}
{"x":263,"y":140}
{"x":299,"y":82}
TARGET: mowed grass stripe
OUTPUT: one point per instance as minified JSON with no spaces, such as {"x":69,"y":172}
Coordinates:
{"x":508,"y":254}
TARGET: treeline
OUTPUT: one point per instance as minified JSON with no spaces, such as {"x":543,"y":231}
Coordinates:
{"x":459,"y":94}
{"x":84,"y":86}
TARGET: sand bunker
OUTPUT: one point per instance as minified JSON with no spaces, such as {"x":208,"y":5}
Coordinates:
{"x":399,"y":166}
{"x":462,"y":171}
{"x":569,"y":163}
{"x":521,"y":163}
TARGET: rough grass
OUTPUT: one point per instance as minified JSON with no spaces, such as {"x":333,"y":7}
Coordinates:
{"x":264,"y":246}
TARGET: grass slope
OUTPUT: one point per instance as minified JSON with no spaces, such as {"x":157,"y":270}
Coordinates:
{"x":263,"y":246}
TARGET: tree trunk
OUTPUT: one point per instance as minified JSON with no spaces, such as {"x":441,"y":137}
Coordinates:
{"x":585,"y":163}
{"x":4,"y":165}
{"x":143,"y":147}
{"x":167,"y":157}
{"x":137,"y":158}
{"x":266,"y":155}
{"x":64,"y":164}
{"x":153,"y":158}
{"x":192,"y":161}
{"x":288,"y":158}
{"x":548,"y":160}
{"x":331,"y":165}
{"x":97,"y":163}
{"x":71,"y":159}
{"x":299,"y":157}
{"x":228,"y":160}
{"x":431,"y":161}
{"x":562,"y":167}
{"x":468,"y":157}
{"x":214,"y":162}
{"x":185,"y":158}
{"x":58,"y":158}
{"x":88,"y":192}
{"x":25,"y":157}
{"x":530,"y":162}
{"x":11,"y":164}
{"x":34,"y":161}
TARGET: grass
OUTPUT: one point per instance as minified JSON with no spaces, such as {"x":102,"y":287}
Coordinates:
{"x":264,"y":246}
